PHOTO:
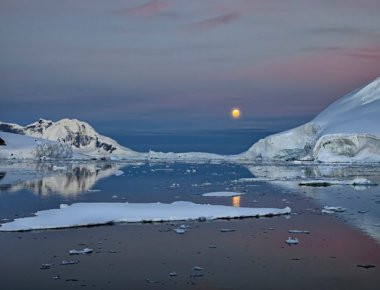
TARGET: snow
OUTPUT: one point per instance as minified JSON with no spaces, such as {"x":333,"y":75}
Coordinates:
{"x":24,"y":147}
{"x":327,"y":182}
{"x":78,"y":135}
{"x":346,"y":131}
{"x":85,"y":214}
{"x":222,"y":194}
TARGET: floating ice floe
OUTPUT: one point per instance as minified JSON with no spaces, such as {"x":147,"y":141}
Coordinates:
{"x":298,"y":232}
{"x":69,"y":262}
{"x":55,"y":168}
{"x":222,"y":194}
{"x":333,"y":209}
{"x":227,"y":230}
{"x":81,"y":252}
{"x":328,"y":182}
{"x":292,"y":241}
{"x":87,"y":214}
{"x":119,"y":172}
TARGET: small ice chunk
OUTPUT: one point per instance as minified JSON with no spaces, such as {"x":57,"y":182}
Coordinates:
{"x":298,"y":232}
{"x":55,"y":168}
{"x":114,"y":196}
{"x":63,"y":205}
{"x":57,"y":277}
{"x":198,"y":268}
{"x":366,"y":266}
{"x":69,"y":262}
{"x":332,"y":209}
{"x":81,"y":252}
{"x":292,"y":241}
{"x":119,"y":172}
{"x":173,"y":274}
{"x":93,"y":190}
{"x":227,"y":230}
{"x":45,"y":266}
{"x":180,"y":231}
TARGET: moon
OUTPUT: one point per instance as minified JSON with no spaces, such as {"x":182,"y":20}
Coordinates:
{"x":235,"y":113}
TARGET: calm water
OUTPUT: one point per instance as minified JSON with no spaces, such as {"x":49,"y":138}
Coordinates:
{"x":213,"y":141}
{"x":141,"y":256}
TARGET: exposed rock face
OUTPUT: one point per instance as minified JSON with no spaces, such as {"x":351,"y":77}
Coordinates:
{"x":2,"y":142}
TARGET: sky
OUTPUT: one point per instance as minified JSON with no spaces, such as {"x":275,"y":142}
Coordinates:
{"x":151,"y":65}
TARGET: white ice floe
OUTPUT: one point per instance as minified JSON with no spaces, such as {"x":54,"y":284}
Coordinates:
{"x":119,"y":172}
{"x":84,"y":251}
{"x":333,"y":209}
{"x":222,"y":194}
{"x":298,"y":232}
{"x":292,"y":241}
{"x":326,"y":182}
{"x":86,"y":214}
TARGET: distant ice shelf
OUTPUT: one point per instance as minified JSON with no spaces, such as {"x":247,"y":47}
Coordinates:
{"x":88,"y":214}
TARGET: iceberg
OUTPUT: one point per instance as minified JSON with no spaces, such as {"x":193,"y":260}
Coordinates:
{"x":89,"y":214}
{"x":346,"y":131}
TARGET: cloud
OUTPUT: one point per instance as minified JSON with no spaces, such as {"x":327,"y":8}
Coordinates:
{"x":213,"y":22}
{"x":148,"y":9}
{"x":343,"y":30}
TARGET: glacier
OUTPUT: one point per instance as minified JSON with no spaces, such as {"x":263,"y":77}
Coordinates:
{"x":346,"y":131}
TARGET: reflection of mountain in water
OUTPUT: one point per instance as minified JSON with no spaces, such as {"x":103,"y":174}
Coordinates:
{"x":43,"y":178}
{"x":362,"y":203}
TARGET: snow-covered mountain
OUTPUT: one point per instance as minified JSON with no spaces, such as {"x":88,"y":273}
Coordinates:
{"x":346,"y":131}
{"x":80,"y":136}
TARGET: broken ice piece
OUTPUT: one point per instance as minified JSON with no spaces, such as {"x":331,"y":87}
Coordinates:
{"x":227,"y":230}
{"x":180,"y":231}
{"x":57,"y":277}
{"x":197,"y":268}
{"x":119,"y":173}
{"x":212,"y":247}
{"x":298,"y":232}
{"x":69,"y":262}
{"x":173,"y":274}
{"x":81,"y":252}
{"x":292,"y":241}
{"x":366,"y":266}
{"x":332,"y":209}
{"x":45,"y":266}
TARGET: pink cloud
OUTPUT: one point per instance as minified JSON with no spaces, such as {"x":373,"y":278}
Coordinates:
{"x":349,"y":66}
{"x":148,"y":9}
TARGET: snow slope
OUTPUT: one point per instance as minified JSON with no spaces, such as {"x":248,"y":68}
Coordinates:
{"x":346,"y":131}
{"x":80,"y":136}
{"x":25,"y":147}
{"x":85,"y":214}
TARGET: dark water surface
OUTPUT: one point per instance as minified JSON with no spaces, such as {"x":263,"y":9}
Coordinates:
{"x":141,"y":256}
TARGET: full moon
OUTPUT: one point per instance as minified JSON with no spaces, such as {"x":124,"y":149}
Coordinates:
{"x":235,"y":113}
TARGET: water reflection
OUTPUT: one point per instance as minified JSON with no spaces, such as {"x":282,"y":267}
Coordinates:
{"x":362,"y":202}
{"x":44,"y":178}
{"x":236,"y":201}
